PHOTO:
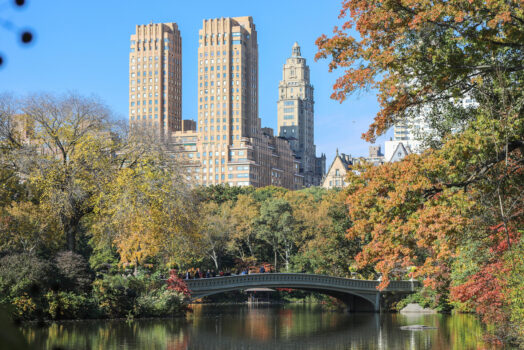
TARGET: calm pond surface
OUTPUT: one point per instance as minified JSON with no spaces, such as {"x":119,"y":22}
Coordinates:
{"x":264,"y":327}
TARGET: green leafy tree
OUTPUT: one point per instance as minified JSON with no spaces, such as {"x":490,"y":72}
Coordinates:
{"x":275,"y":226}
{"x":327,"y":250}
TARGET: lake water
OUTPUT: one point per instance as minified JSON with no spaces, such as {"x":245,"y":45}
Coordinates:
{"x":264,"y":327}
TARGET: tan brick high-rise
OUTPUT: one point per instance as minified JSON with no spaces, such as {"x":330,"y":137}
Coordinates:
{"x":227,"y":79}
{"x":155,"y":78}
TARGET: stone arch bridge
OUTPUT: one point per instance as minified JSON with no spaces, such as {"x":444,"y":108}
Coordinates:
{"x":359,"y":295}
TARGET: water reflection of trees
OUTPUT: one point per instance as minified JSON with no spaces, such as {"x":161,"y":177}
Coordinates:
{"x":240,"y":327}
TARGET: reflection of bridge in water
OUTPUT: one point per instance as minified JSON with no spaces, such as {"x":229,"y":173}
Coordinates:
{"x":359,"y":295}
{"x":300,"y":327}
{"x":356,"y":332}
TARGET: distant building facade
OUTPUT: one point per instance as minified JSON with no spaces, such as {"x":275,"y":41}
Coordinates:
{"x":296,"y":117}
{"x":408,"y":134}
{"x":405,"y":140}
{"x":155,"y":78}
{"x":376,"y":157}
{"x":336,"y":175}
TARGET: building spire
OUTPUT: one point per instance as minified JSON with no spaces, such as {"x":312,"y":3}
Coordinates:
{"x":296,"y":50}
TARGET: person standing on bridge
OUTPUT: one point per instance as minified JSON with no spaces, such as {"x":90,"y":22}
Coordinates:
{"x":262,"y":269}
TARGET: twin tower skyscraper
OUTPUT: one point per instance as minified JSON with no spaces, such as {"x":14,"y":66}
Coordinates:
{"x":227,"y":144}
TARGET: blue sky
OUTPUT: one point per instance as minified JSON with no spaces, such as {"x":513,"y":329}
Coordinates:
{"x":83,"y":46}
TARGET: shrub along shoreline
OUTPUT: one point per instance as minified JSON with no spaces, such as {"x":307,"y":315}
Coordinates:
{"x":65,"y":289}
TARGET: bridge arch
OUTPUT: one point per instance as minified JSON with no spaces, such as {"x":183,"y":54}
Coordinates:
{"x":356,"y":302}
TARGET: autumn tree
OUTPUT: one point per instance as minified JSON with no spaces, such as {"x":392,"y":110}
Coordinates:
{"x":26,"y":227}
{"x":147,"y":211}
{"x":243,"y":216}
{"x":425,"y":59}
{"x":422,"y":53}
{"x":62,"y":146}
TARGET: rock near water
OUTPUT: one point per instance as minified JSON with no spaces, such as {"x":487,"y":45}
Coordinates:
{"x":416,"y":308}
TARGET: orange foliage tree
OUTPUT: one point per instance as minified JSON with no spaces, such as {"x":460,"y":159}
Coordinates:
{"x":418,"y":52}
{"x":434,"y":214}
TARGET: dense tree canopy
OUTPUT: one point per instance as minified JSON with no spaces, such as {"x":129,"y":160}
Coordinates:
{"x":452,"y":215}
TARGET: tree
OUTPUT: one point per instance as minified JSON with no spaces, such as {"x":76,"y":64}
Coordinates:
{"x":73,"y":271}
{"x":326,"y":249}
{"x":418,"y":54}
{"x":216,"y":230}
{"x":465,"y":192}
{"x":26,"y":227}
{"x":177,"y":284}
{"x":24,"y":280}
{"x":243,"y":216}
{"x":63,"y":147}
{"x":221,"y":193}
{"x":275,"y":226}
{"x":147,"y":211}
{"x":400,"y":228}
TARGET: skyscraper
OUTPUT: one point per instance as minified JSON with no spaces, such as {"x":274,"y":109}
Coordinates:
{"x":155,"y":78}
{"x":296,"y":116}
{"x":227,"y":80}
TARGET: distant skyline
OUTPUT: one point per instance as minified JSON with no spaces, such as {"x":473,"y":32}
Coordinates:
{"x":83,"y":46}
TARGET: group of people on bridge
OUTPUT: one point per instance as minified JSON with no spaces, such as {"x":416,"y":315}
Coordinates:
{"x":196,"y":274}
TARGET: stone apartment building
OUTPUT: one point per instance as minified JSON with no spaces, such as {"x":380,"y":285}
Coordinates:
{"x":296,"y":116}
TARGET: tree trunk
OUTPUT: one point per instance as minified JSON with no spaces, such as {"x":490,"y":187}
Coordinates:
{"x":214,"y":257}
{"x":275,"y":253}
{"x":248,"y":243}
{"x":70,"y":238}
{"x":71,"y":225}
